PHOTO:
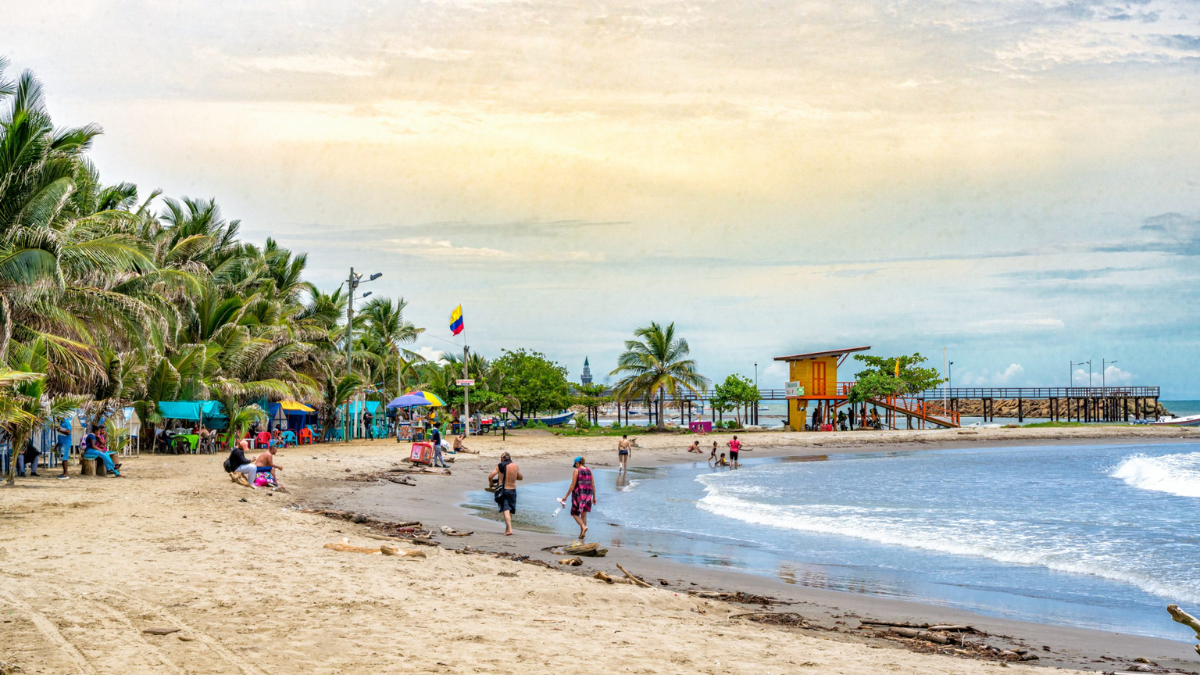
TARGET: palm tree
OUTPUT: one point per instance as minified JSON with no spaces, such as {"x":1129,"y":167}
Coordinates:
{"x":28,"y":403}
{"x":656,"y":366}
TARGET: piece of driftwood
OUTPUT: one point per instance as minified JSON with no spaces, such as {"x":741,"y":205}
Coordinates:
{"x":161,"y":630}
{"x":399,"y":481}
{"x":1180,"y":616}
{"x":345,"y":547}
{"x":920,"y":634}
{"x":592,"y":550}
{"x":575,"y":561}
{"x":610,"y":579}
{"x":451,"y":532}
{"x":632,"y":578}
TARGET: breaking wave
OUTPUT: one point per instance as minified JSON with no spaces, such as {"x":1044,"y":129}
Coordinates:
{"x":1174,"y":474}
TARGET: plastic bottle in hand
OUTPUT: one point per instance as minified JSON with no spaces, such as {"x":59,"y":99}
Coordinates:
{"x":562,"y":503}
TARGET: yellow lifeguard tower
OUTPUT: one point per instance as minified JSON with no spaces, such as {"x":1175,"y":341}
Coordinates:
{"x":813,"y":377}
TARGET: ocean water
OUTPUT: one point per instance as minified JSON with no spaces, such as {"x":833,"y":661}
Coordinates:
{"x":1099,"y":537}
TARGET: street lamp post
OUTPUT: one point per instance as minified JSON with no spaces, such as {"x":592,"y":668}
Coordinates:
{"x":352,"y":283}
{"x":1072,"y":369}
{"x":1104,"y":372}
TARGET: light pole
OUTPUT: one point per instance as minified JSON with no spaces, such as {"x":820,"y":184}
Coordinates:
{"x":352,"y":282}
{"x":1089,"y":362}
{"x":1104,"y":372}
{"x":950,"y":377}
{"x":1072,"y":369}
{"x":756,"y":374}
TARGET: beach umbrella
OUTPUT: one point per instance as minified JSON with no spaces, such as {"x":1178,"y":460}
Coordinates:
{"x":431,"y":398}
{"x":416,"y":399}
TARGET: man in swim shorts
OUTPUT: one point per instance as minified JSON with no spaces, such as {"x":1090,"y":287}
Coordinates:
{"x":505,"y":476}
{"x":623,"y":452}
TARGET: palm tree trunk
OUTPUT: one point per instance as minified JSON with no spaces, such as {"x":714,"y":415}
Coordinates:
{"x":662,"y":423}
{"x":18,"y":445}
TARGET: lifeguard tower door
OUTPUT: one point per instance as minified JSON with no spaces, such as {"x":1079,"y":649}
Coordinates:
{"x":818,"y":378}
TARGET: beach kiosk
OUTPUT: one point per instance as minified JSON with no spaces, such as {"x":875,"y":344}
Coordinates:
{"x":813,"y":386}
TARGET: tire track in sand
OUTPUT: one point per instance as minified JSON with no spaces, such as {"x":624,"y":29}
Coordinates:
{"x":149,"y":647}
{"x":206,"y":639}
{"x":47,"y":628}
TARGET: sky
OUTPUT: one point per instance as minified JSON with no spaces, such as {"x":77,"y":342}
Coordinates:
{"x":1014,"y":184}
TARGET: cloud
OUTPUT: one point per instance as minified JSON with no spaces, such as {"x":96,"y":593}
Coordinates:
{"x":434,"y":54}
{"x":1010,"y":376}
{"x":1004,"y":325}
{"x":1172,"y":232}
{"x":1115,"y":377}
{"x":428,"y":247}
{"x":345,"y":66}
{"x":432,"y":355}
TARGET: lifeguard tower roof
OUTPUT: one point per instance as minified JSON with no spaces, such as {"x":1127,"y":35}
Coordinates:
{"x":817,"y":355}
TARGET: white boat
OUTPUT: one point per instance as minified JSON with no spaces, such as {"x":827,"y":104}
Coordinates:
{"x":1188,"y":421}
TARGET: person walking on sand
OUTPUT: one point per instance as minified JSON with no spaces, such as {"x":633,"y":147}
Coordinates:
{"x":713,"y":457}
{"x":735,"y":446}
{"x":582,"y":494}
{"x":505,"y":475}
{"x":64,"y":446}
{"x":623,"y":452}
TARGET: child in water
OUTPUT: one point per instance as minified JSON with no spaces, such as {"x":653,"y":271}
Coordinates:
{"x":722,"y":461}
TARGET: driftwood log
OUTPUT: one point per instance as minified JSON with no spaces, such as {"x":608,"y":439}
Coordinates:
{"x":345,"y":547}
{"x":451,"y":532}
{"x":575,"y":561}
{"x":1180,"y":616}
{"x":610,"y":579}
{"x":632,"y":578}
{"x":592,"y":550}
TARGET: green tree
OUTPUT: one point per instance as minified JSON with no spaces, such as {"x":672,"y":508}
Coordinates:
{"x":734,"y":394}
{"x":591,"y":396}
{"x":535,"y":382}
{"x":656,"y":366}
{"x":892,"y":376}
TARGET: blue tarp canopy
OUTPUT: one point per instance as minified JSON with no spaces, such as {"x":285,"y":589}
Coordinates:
{"x":195,"y":411}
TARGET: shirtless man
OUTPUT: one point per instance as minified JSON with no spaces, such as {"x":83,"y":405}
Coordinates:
{"x":505,"y":477}
{"x":266,"y":463}
{"x":623,"y":452}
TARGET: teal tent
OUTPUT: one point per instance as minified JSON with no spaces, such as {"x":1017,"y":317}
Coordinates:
{"x":207,"y":412}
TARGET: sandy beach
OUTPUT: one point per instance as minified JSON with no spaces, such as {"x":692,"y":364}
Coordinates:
{"x":240,"y":582}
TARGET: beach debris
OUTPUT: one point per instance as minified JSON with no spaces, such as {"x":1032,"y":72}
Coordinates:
{"x":575,"y":561}
{"x":738,"y":597}
{"x":610,"y":579}
{"x":580,"y":548}
{"x":345,"y":546}
{"x":946,"y":628}
{"x":506,"y":574}
{"x":1180,"y":616}
{"x":400,"y":480}
{"x":160,"y":630}
{"x":7,"y":668}
{"x":773,"y":618}
{"x":451,"y":532}
{"x":633,"y":578}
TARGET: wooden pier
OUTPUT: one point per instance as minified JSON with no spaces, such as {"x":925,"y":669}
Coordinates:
{"x":1071,"y":404}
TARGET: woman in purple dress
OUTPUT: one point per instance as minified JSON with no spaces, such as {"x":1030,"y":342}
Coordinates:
{"x":582,"y":494}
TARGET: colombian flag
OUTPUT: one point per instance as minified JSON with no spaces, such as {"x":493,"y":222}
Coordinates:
{"x":456,"y":324}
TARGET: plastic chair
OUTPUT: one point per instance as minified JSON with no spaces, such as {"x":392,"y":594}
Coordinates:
{"x":263,"y":439}
{"x":306,"y":436}
{"x":289,"y":438}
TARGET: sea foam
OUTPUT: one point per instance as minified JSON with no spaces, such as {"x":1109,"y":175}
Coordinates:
{"x":1174,"y":474}
{"x":962,"y":537}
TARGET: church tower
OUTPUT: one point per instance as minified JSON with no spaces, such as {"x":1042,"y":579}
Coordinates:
{"x":586,"y":376}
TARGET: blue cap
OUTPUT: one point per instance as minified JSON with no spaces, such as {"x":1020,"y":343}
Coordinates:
{"x":577,"y":460}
